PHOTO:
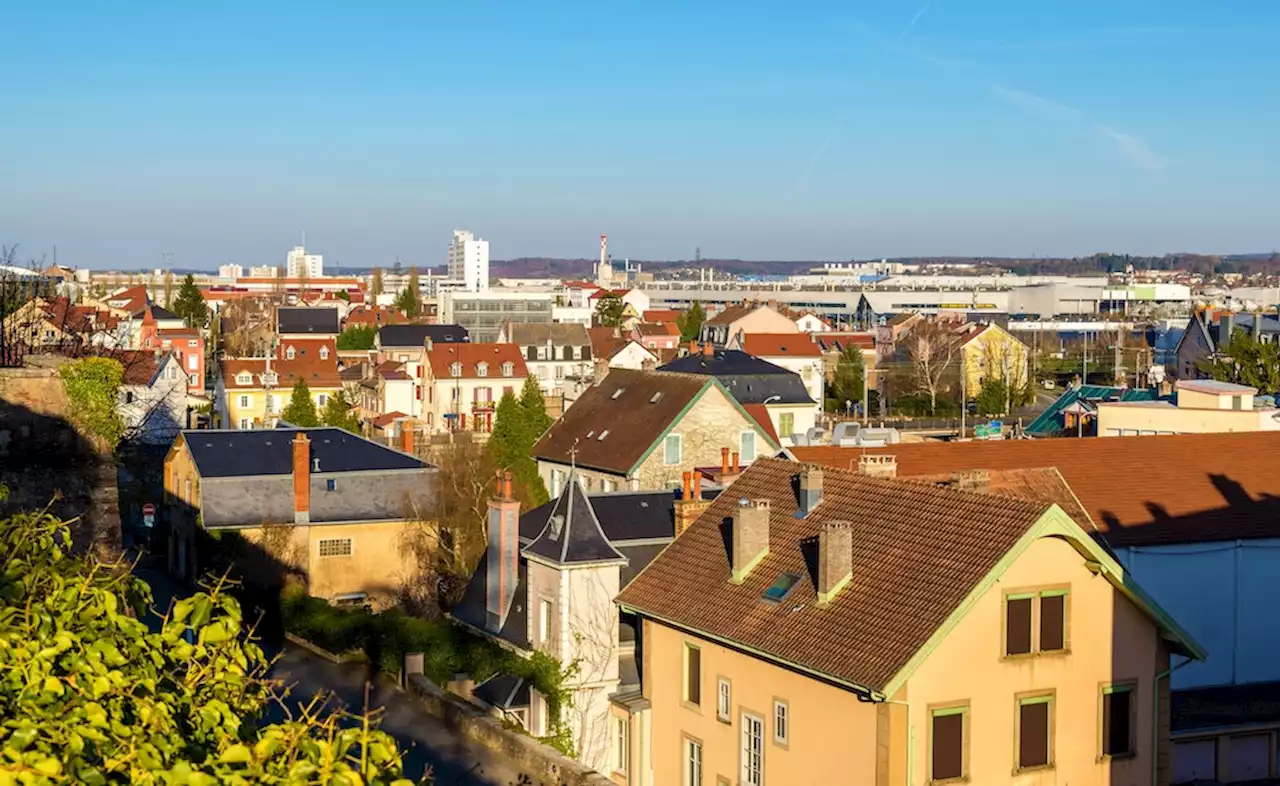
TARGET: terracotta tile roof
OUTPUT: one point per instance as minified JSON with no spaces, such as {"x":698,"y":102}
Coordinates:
{"x":384,"y":420}
{"x":305,"y":365}
{"x":1140,"y":491}
{"x":1042,"y":485}
{"x":836,"y":342}
{"x":661,"y":315}
{"x":442,"y":356}
{"x":605,"y":341}
{"x":780,"y":344}
{"x":615,"y":422}
{"x":140,"y":366}
{"x":760,"y":413}
{"x":918,"y":550}
{"x":730,"y":314}
{"x":657,"y":329}
{"x":375,"y":316}
{"x":392,"y":369}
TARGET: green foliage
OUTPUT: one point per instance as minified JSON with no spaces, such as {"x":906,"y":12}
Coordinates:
{"x":89,"y":695}
{"x":408,"y":301}
{"x":690,"y":322}
{"x":340,"y":413}
{"x":342,"y":295}
{"x":1244,"y":360}
{"x":609,"y":311}
{"x":993,"y":398}
{"x":301,"y":410}
{"x":92,"y":386}
{"x":535,"y":407}
{"x":376,"y":288}
{"x":357,"y":337}
{"x":189,"y":304}
{"x":517,"y":425}
{"x":846,"y":384}
{"x":386,"y":637}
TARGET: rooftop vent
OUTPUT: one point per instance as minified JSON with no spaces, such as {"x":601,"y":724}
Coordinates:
{"x":656,"y":397}
{"x":603,"y":434}
{"x":617,"y":393}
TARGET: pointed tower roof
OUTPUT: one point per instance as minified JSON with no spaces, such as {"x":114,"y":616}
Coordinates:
{"x":572,"y":535}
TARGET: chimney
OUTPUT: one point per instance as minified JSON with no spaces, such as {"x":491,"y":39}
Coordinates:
{"x":708,"y":350}
{"x":504,"y":550}
{"x":406,"y":437}
{"x":691,"y":505}
{"x":686,"y":492}
{"x":648,"y":364}
{"x":693,"y":346}
{"x":750,"y":537}
{"x":301,"y":479}
{"x":430,"y":343}
{"x":978,"y":480}
{"x":835,"y":559}
{"x":736,"y":470}
{"x":600,"y":370}
{"x":724,"y":461}
{"x":1226,"y":323}
{"x":810,"y":490}
{"x":884,"y":465}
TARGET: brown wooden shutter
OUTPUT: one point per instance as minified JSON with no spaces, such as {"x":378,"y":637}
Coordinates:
{"x":1018,"y":626}
{"x":1033,"y":735}
{"x":695,"y":676}
{"x":948,"y":746}
{"x":1115,"y":723}
{"x":1053,"y":631}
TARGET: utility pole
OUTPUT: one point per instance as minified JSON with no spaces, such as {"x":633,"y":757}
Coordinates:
{"x":964,"y":396}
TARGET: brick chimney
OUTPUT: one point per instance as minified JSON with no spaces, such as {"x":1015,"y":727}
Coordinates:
{"x":810,"y":490}
{"x":750,"y":537}
{"x":648,"y":364}
{"x":736,"y":468}
{"x":708,"y":350}
{"x":724,"y":461}
{"x":974,"y":480}
{"x":691,"y":505}
{"x":406,"y":437}
{"x":301,"y":479}
{"x":835,"y":559}
{"x":504,"y":550}
{"x":883,"y":465}
{"x":693,"y":346}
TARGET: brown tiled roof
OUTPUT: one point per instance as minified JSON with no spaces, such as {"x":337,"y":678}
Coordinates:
{"x":1139,"y":490}
{"x":661,"y":315}
{"x":1042,"y":485}
{"x":629,"y":422}
{"x":442,"y":356}
{"x":657,"y":329}
{"x":838,"y":341}
{"x":392,"y":369}
{"x":605,"y":341}
{"x":306,"y":365}
{"x":780,"y":344}
{"x":918,"y":550}
{"x":140,"y":366}
{"x":731,"y":314}
{"x":375,"y":316}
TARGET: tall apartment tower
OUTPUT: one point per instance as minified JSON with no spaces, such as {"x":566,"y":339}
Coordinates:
{"x":300,"y":264}
{"x":469,"y":261}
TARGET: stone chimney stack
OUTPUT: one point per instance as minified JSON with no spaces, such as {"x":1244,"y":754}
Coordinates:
{"x":301,"y":479}
{"x":978,"y":480}
{"x":835,"y":559}
{"x":503,"y":557}
{"x":810,"y":490}
{"x":882,"y":465}
{"x":750,"y":537}
{"x":648,"y":364}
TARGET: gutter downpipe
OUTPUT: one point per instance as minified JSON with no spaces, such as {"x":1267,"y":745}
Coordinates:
{"x":1155,"y":716}
{"x":911,"y":740}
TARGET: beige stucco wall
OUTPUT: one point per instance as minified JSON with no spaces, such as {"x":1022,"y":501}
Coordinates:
{"x":1121,"y":419}
{"x":1109,"y":640}
{"x":833,"y":736}
{"x":1199,"y":400}
{"x":762,"y":320}
{"x":985,"y":358}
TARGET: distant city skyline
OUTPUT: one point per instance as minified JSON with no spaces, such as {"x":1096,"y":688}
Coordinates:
{"x":894,"y":128}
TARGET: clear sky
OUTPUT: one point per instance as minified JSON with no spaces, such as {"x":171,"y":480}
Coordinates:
{"x":220,"y":131}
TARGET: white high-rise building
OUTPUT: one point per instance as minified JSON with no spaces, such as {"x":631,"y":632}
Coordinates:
{"x":469,"y":261}
{"x":299,"y":264}
{"x":230,"y":271}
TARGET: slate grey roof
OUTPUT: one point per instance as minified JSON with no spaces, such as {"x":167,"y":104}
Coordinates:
{"x":234,"y":453}
{"x":624,"y":515}
{"x":572,"y":534}
{"x":471,"y":609}
{"x":159,"y":312}
{"x":506,"y":691}
{"x":750,"y":379}
{"x":320,"y":321}
{"x":417,"y":335}
{"x":558,"y":333}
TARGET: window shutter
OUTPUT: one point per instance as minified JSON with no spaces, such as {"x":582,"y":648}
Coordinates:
{"x":948,"y":746}
{"x":1033,"y":738}
{"x":1018,"y":626}
{"x":1052,"y":623}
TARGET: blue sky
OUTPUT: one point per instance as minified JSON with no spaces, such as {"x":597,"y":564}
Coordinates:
{"x":219,"y":132}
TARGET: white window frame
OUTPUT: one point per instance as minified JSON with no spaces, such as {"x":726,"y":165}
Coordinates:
{"x":751,"y":758}
{"x":621,"y":745}
{"x":544,"y":621}
{"x":290,"y":353}
{"x":244,"y":401}
{"x":724,"y":699}
{"x":679,"y":442}
{"x":692,"y":762}
{"x":244,"y":378}
{"x":324,"y":353}
{"x":350,"y":547}
{"x":508,"y":368}
{"x":742,"y":446}
{"x":482,"y":369}
{"x":781,"y":722}
{"x":455,"y":369}
{"x":244,"y":424}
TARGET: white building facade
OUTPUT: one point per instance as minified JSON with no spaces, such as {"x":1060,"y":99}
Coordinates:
{"x":300,"y":264}
{"x":469,"y":261}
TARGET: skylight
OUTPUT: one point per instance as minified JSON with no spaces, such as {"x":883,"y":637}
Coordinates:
{"x":603,"y":434}
{"x":656,"y":397}
{"x":616,"y":393}
{"x":781,"y":587}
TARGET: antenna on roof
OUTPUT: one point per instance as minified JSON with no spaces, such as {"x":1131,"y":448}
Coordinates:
{"x":573,"y":456}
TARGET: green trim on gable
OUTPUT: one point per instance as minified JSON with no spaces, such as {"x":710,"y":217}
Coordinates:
{"x":711,"y":381}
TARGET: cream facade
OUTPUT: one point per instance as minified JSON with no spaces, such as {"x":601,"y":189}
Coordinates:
{"x":1200,"y":407}
{"x":994,"y":353}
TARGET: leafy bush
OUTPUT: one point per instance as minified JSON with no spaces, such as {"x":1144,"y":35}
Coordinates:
{"x":92,"y":386}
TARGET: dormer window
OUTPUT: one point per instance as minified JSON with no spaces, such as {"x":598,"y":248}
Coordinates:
{"x":508,"y":369}
{"x":482,"y":369}
{"x":290,"y":354}
{"x":324,"y":353}
{"x":455,"y":369}
{"x":244,"y":378}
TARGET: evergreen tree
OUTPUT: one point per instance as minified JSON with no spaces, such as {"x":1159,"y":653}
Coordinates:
{"x":508,"y":437}
{"x":189,"y":304}
{"x":340,"y":413}
{"x":847,"y":383}
{"x":408,"y":300}
{"x":375,"y":288}
{"x":517,"y":425}
{"x":690,"y":322}
{"x":301,"y":410}
{"x":609,"y":311}
{"x":993,"y":397}
{"x":357,"y":337}
{"x":535,"y":409}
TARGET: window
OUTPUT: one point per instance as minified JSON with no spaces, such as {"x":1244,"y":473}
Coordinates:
{"x":724,"y":697}
{"x":330,"y":484}
{"x":128,"y":397}
{"x":193,"y":342}
{"x":542,"y":353}
{"x":786,"y":424}
{"x":692,"y":675}
{"x":781,"y":722}
{"x":948,"y":743}
{"x":290,"y":354}
{"x":608,"y":485}
{"x":673,"y":449}
{"x":244,"y":379}
{"x":482,"y":369}
{"x":193,"y":380}
{"x":1035,"y":622}
{"x":621,"y":745}
{"x":244,"y":401}
{"x":544,"y":621}
{"x":1035,"y":732}
{"x":322,"y":399}
{"x":559,"y":372}
{"x":335,"y":547}
{"x":557,"y":482}
{"x":692,"y":762}
{"x":324,"y":353}
{"x":508,"y":369}
{"x":747,"y":446}
{"x":752,"y":754}
{"x":1118,"y":720}
{"x":244,"y":424}
{"x":781,"y":587}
